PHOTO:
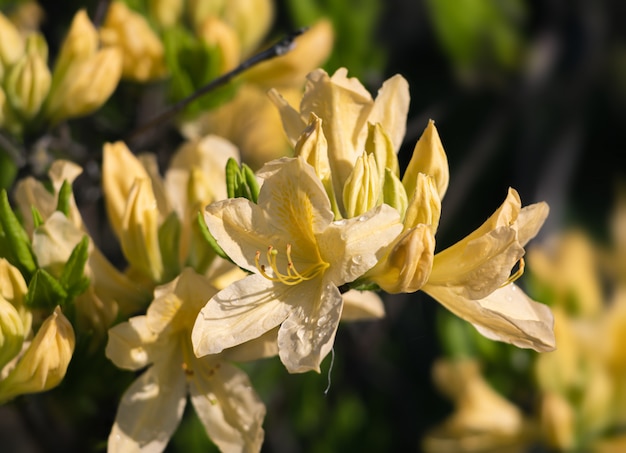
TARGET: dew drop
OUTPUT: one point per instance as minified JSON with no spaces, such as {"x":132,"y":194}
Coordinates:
{"x":362,"y":218}
{"x":340,"y":222}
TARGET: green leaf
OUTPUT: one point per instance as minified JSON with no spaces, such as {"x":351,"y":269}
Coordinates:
{"x":232,"y":174}
{"x":65,"y":194}
{"x":37,"y":217}
{"x":251,"y":182}
{"x":72,"y":277}
{"x":169,"y":241}
{"x":206,"y":234}
{"x":45,"y":291}
{"x":16,"y":242}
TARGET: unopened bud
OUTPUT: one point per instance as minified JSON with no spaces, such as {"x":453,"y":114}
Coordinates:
{"x":166,"y":13}
{"x":217,"y":34}
{"x":429,"y":158}
{"x":251,"y":19}
{"x":11,"y":44}
{"x":86,"y":86}
{"x":424,"y":205}
{"x":407,"y":266}
{"x":45,"y":362}
{"x":362,"y":190}
{"x":80,"y":44}
{"x":143,"y":54}
{"x":12,"y":332}
{"x":393,"y":192}
{"x":139,"y":235}
{"x":27,"y":85}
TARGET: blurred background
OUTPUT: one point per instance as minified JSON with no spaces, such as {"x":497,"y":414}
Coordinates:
{"x":525,"y":93}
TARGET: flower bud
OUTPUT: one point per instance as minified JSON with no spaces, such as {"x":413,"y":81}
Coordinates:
{"x":139,"y":236}
{"x":142,"y":51}
{"x":12,"y":332}
{"x":80,"y":44}
{"x":120,"y":169}
{"x":425,"y":205}
{"x":393,"y":193}
{"x":429,"y":158}
{"x":251,"y":19}
{"x":218,"y":34}
{"x":362,"y":190}
{"x":166,"y":13}
{"x":45,"y":362}
{"x":313,"y":148}
{"x":85,"y":86}
{"x":310,"y":51}
{"x":379,"y":144}
{"x":13,"y":289}
{"x":27,"y":85}
{"x":11,"y":44}
{"x":408,"y":263}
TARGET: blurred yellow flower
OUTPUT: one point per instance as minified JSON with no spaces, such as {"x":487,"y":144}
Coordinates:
{"x":83,"y":77}
{"x":142,"y":50}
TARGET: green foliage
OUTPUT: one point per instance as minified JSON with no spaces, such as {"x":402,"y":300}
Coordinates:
{"x":169,"y":240}
{"x":14,"y":242}
{"x":206,"y":234}
{"x":357,"y":46}
{"x":47,"y":291}
{"x":240,"y":181}
{"x":192,"y":65}
{"x":479,"y":35}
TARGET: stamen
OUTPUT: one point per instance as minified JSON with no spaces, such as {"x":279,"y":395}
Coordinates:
{"x":517,"y":274}
{"x":291,"y":276}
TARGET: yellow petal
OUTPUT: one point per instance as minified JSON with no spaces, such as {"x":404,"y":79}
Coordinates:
{"x":139,"y":236}
{"x":361,"y":305}
{"x":429,"y":158}
{"x":507,"y":315}
{"x":120,"y":169}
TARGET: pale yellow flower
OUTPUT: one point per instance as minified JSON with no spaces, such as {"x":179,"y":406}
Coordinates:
{"x":298,"y":258}
{"x":482,"y":420}
{"x":143,"y":54}
{"x":144,"y":208}
{"x":84,"y":77}
{"x":351,"y":140}
{"x":152,"y":407}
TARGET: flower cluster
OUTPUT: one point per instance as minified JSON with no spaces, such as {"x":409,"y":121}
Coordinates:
{"x":221,"y":264}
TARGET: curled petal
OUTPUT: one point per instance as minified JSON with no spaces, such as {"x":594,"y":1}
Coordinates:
{"x":507,"y":315}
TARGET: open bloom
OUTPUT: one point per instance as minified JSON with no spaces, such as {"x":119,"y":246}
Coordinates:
{"x":298,"y":257}
{"x":351,"y":140}
{"x":152,"y":407}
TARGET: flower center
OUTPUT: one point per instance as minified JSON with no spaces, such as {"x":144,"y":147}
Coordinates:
{"x":291,"y":276}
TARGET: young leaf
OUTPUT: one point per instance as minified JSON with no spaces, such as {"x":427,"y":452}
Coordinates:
{"x":210,"y":239}
{"x":232,"y":177}
{"x":72,"y":277}
{"x":19,"y":251}
{"x":63,"y":203}
{"x":45,"y":291}
{"x":251,"y":182}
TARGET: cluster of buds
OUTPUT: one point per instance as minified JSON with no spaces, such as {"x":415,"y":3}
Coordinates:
{"x":83,"y":78}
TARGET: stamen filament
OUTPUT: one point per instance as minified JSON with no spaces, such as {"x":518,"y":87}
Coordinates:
{"x":517,"y":274}
{"x":291,"y":276}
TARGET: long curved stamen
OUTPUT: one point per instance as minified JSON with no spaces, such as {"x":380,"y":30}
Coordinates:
{"x":518,"y":273}
{"x":291,"y":276}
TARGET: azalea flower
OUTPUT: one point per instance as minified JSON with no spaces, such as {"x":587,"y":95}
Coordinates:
{"x":152,"y":407}
{"x":351,"y":140}
{"x":298,"y":256}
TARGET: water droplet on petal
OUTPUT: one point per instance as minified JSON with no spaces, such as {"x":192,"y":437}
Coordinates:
{"x":340,"y":222}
